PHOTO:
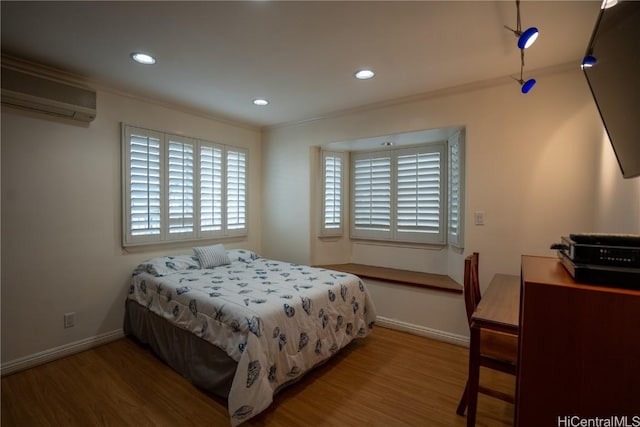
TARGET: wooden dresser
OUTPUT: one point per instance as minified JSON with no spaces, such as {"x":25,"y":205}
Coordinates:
{"x":579,"y":349}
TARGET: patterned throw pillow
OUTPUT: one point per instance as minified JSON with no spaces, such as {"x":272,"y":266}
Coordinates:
{"x":212,"y":256}
{"x":242,"y":255}
{"x":166,"y":265}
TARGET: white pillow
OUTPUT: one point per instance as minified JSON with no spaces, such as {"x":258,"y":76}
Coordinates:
{"x":212,"y":256}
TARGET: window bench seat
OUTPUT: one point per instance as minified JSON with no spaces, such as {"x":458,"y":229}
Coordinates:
{"x":404,"y":277}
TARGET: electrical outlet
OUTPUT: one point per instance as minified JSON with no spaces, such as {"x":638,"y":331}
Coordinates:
{"x":69,"y":320}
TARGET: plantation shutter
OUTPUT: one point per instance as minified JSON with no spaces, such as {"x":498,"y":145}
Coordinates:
{"x":144,"y":185}
{"x":456,"y":190}
{"x":419,"y":193}
{"x":177,"y":188}
{"x":210,"y":189}
{"x":372,"y":195}
{"x":332,"y":177}
{"x":399,"y":195}
{"x":180,"y":185}
{"x":236,"y":190}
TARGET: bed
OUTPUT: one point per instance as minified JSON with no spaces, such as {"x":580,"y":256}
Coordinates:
{"x":242,"y":326}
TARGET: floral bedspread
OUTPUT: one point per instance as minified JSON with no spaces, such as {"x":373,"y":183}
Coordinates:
{"x":276,"y":319}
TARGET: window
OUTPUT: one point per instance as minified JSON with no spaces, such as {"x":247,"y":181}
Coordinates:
{"x":178,"y":188}
{"x":455,"y":224}
{"x":398,"y":195}
{"x":332,"y":180}
{"x":409,"y":193}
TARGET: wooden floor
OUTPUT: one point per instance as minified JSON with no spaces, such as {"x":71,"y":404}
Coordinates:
{"x":387,"y":379}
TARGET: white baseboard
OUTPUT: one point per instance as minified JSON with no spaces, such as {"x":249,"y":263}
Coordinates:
{"x":58,"y":352}
{"x":423,"y":331}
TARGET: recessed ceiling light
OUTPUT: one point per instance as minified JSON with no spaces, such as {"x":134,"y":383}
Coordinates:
{"x":364,"y":74}
{"x":261,"y":102}
{"x":143,"y":58}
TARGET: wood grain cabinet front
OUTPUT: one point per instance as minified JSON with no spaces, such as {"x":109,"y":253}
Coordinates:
{"x":579,"y":350}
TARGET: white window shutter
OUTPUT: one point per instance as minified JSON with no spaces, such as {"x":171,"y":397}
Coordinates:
{"x":332,"y":201}
{"x":177,"y":188}
{"x":333,"y":192}
{"x":372,"y":195}
{"x":236,"y":190}
{"x":210,"y":189}
{"x":180,"y":186}
{"x":456,"y":190}
{"x":399,"y":195}
{"x":143,"y":203}
{"x":419,"y":198}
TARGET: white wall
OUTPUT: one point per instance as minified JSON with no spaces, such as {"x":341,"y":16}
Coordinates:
{"x":61,"y":219}
{"x":532,"y":167}
{"x":618,"y":207}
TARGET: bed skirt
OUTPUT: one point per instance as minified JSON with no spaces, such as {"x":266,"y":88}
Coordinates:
{"x":200,"y":362}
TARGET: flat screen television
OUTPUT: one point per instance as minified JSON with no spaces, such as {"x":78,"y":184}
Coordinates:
{"x":614,"y":79}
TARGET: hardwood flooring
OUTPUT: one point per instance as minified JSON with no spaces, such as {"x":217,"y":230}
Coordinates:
{"x":390,"y":378}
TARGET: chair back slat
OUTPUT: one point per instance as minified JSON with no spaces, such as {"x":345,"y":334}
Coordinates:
{"x":471,"y":284}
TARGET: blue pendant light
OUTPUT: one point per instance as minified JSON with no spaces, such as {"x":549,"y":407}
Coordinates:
{"x":527,"y":86}
{"x":588,"y":62}
{"x":527,"y":38}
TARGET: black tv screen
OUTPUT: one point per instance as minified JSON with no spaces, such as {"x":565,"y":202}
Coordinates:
{"x":614,"y":80}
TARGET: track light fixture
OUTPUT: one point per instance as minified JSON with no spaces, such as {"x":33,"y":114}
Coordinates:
{"x":525,"y":86}
{"x":525,"y":39}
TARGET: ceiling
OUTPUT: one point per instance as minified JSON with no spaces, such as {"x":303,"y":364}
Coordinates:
{"x":217,"y":57}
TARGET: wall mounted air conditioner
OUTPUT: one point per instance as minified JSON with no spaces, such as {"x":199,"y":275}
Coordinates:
{"x":44,"y":95}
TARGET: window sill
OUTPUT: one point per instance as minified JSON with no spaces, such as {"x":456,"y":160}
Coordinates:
{"x":439,"y":282}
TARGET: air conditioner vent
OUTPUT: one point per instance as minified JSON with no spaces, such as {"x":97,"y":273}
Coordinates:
{"x":42,"y":94}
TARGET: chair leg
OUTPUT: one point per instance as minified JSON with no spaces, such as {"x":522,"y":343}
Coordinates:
{"x":462,"y":406}
{"x":474,"y":375}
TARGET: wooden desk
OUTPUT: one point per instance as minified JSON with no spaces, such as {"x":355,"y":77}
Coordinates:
{"x":579,"y":348}
{"x":498,"y":310}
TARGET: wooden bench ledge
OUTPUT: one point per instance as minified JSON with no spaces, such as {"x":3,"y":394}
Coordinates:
{"x":404,"y":277}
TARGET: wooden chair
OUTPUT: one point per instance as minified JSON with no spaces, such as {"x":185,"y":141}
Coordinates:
{"x":498,"y":351}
